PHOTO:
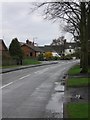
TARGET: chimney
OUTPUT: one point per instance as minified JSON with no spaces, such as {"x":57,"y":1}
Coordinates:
{"x":29,"y":42}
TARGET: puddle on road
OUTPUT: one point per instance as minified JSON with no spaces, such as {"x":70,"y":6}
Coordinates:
{"x":54,"y":108}
{"x":59,"y":87}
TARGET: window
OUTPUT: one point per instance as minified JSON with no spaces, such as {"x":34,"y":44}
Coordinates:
{"x":69,"y":50}
{"x":31,"y":54}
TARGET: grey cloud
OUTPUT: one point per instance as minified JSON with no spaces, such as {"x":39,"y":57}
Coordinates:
{"x":17,"y":22}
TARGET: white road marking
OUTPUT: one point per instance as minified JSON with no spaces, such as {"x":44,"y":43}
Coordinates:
{"x":6,"y":85}
{"x":41,"y":71}
{"x":14,"y":81}
{"x":24,"y":76}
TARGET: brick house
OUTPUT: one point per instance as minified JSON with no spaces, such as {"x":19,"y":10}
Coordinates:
{"x":3,"y":48}
{"x":4,"y":53}
{"x":29,"y":49}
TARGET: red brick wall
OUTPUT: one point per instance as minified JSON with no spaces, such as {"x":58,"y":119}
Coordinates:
{"x":27,"y":51}
{"x":2,"y":46}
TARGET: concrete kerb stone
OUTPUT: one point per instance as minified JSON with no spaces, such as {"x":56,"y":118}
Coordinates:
{"x":25,"y":67}
{"x":65,"y":96}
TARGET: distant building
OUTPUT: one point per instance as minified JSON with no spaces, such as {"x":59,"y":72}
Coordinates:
{"x":49,"y":48}
{"x":60,"y":49}
{"x":29,"y":49}
{"x":70,"y":48}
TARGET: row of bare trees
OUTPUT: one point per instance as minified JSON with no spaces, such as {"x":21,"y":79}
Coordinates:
{"x":76,"y":16}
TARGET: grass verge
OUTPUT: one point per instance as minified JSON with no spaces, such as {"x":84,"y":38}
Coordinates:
{"x":74,"y":70}
{"x":78,"y":82}
{"x":25,"y":62}
{"x":77,"y":110}
{"x":30,"y":61}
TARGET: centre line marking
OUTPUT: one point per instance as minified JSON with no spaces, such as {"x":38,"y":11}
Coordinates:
{"x":24,"y":77}
{"x":6,"y":85}
{"x":13,"y":82}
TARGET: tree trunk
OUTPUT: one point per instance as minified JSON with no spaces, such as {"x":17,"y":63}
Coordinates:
{"x":84,"y":40}
{"x":88,"y":32}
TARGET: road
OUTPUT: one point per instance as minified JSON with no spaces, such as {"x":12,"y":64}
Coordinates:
{"x":26,"y":93}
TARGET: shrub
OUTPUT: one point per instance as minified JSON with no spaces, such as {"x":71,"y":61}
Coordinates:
{"x":48,"y":55}
{"x":40,"y":57}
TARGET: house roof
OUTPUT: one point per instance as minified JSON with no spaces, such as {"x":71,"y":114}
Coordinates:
{"x":47,"y":48}
{"x":70,"y":45}
{"x":4,"y":48}
{"x":35,"y":48}
{"x":58,"y":48}
{"x":51,"y":48}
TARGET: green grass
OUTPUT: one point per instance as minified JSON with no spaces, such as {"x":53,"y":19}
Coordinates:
{"x":78,"y":82}
{"x":25,"y":62}
{"x":30,"y":61}
{"x":74,"y":70}
{"x":77,"y":110}
{"x":11,"y":66}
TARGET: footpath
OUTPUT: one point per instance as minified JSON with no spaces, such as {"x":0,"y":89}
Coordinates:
{"x":5,"y":70}
{"x":77,"y":86}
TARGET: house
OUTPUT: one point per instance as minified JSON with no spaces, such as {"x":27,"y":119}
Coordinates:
{"x":66,"y":49}
{"x":60,"y":49}
{"x":3,"y":49}
{"x":49,"y":48}
{"x":70,"y":48}
{"x":29,"y":49}
{"x":4,"y":53}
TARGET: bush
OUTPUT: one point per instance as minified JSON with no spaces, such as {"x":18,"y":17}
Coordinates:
{"x":48,"y":55}
{"x":40,"y":57}
{"x":67,"y":57}
{"x":55,"y":58}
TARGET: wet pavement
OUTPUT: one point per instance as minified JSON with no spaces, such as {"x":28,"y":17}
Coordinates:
{"x":54,"y":108}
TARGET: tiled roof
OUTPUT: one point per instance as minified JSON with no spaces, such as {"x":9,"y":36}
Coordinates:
{"x":47,"y":48}
{"x":51,"y":48}
{"x":58,"y":48}
{"x":72,"y":45}
{"x":35,"y":48}
{"x":2,"y":43}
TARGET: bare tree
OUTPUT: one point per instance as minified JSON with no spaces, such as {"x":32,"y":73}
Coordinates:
{"x":77,"y":17}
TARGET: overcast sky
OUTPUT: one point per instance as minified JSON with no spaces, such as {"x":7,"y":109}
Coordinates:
{"x":17,"y":22}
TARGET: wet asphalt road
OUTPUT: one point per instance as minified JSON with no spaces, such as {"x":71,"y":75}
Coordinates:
{"x":26,"y":93}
